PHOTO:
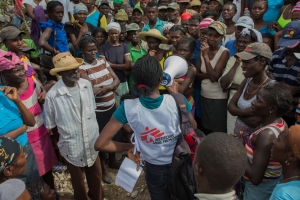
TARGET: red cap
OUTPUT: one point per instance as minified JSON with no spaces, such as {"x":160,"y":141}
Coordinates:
{"x":185,"y":16}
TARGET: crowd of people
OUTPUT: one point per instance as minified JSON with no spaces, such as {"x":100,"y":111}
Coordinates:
{"x":96,"y":67}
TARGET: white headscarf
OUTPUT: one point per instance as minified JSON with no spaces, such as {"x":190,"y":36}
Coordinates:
{"x":114,"y":25}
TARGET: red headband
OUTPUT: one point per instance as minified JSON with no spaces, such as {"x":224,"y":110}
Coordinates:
{"x":185,"y":16}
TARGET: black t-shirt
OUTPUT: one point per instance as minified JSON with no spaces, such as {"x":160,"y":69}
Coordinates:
{"x":115,"y":55}
{"x":72,"y":30}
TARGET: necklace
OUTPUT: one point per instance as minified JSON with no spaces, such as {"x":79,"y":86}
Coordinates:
{"x":257,"y":88}
{"x":290,"y":178}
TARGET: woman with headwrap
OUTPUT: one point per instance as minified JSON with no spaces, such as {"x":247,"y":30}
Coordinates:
{"x":117,"y":6}
{"x":80,"y":27}
{"x":15,"y":117}
{"x":286,"y":151}
{"x":28,"y":90}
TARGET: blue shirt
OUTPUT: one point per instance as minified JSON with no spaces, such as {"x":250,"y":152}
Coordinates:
{"x":286,"y":191}
{"x":147,"y":102}
{"x":265,"y":29}
{"x":61,"y":35}
{"x":280,"y":70}
{"x":230,"y":46}
{"x":273,"y":11}
{"x":158,"y":25}
{"x":11,"y":118}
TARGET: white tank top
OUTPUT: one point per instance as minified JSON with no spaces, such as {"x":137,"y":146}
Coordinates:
{"x":208,"y":89}
{"x":155,"y":130}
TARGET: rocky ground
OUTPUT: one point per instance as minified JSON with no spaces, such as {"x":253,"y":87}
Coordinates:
{"x":111,"y":191}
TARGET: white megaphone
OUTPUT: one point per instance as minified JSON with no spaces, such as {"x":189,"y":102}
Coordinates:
{"x":175,"y":67}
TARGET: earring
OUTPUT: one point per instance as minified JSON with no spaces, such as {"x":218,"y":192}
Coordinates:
{"x":270,"y":111}
{"x":287,"y":162}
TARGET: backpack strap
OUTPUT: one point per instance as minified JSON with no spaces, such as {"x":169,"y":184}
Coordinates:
{"x":182,"y":110}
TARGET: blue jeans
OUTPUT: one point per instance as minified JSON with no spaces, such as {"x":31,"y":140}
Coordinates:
{"x":31,"y":175}
{"x":157,"y":176}
{"x":17,"y":20}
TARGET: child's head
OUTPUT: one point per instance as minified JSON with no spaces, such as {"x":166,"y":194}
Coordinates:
{"x":269,"y":40}
{"x":123,"y":34}
{"x":100,"y":35}
{"x":166,"y":30}
{"x":186,"y":47}
{"x":204,"y":7}
{"x":88,"y":45}
{"x":55,"y":10}
{"x":219,"y":173}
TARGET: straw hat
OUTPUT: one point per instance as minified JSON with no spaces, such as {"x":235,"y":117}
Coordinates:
{"x":153,"y":33}
{"x":64,"y":62}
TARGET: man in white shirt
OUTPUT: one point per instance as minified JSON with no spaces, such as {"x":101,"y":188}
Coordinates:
{"x":220,"y":162}
{"x":70,"y":113}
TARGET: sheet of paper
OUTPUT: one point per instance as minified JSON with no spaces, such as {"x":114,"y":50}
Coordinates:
{"x":127,"y":175}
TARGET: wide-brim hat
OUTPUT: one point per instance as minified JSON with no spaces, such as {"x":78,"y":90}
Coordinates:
{"x":153,"y":33}
{"x":255,"y":49}
{"x":64,"y":62}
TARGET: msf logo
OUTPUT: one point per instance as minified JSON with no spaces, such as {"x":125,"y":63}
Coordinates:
{"x":151,"y":135}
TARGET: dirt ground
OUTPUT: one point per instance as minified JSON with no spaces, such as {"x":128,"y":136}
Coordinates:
{"x":111,"y":191}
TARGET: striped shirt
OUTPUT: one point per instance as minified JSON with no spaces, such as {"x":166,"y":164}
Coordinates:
{"x":100,"y":76}
{"x":280,"y":70}
{"x":30,"y":100}
{"x":274,"y":168}
{"x":78,"y":131}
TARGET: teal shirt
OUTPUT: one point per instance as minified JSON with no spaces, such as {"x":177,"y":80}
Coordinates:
{"x":147,"y":102}
{"x":159,"y":25}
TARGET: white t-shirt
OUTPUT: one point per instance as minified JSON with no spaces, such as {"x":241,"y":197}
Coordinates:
{"x":33,"y":4}
{"x":68,"y":8}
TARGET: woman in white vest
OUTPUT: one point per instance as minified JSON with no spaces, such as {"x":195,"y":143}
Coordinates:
{"x":154,"y":121}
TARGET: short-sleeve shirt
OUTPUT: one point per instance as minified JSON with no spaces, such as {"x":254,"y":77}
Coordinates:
{"x":75,"y":31}
{"x":231,"y":47}
{"x":33,"y":54}
{"x":11,"y":118}
{"x":61,"y":35}
{"x":159,"y":25}
{"x":115,"y":55}
{"x":280,"y":70}
{"x":148,"y":103}
{"x":286,"y":191}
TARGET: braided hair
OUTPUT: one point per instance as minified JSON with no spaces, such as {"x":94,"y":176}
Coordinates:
{"x":51,"y":6}
{"x":264,"y":1}
{"x":146,"y":73}
{"x":189,"y":41}
{"x":178,"y":28}
{"x":277,"y":94}
{"x":87,"y":40}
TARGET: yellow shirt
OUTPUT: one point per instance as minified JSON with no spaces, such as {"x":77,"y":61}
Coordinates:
{"x":161,"y":62}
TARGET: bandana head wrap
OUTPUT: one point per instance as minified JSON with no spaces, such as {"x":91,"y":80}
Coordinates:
{"x":9,"y":151}
{"x":8,"y":60}
{"x":167,"y":26}
{"x":80,"y":7}
{"x":205,"y":23}
{"x":114,"y":25}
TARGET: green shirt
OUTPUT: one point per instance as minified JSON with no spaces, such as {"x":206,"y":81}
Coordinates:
{"x":134,"y":56}
{"x":33,"y":54}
